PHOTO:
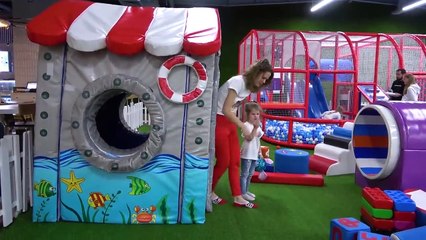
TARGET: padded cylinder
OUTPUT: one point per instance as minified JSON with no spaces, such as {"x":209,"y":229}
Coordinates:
{"x":291,"y":161}
{"x":342,"y":132}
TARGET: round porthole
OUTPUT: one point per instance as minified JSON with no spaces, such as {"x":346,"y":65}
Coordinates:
{"x":99,"y":128}
{"x":376,"y":142}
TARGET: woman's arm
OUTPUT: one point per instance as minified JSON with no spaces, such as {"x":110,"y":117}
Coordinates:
{"x":227,"y":111}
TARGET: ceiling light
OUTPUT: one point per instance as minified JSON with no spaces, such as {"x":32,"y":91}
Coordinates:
{"x":414,"y":5}
{"x":320,"y":5}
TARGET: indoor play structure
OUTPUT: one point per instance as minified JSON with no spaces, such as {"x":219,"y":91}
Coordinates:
{"x":291,"y":166}
{"x":349,"y":70}
{"x":334,"y":156}
{"x":389,"y":145}
{"x":89,"y":166}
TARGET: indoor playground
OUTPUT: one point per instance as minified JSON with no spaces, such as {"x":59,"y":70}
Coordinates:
{"x":121,"y":141}
{"x":320,"y":71}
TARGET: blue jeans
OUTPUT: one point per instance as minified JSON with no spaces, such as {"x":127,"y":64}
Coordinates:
{"x":247,"y":170}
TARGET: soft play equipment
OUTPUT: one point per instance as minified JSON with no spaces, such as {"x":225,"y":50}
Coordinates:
{"x":291,"y":161}
{"x":419,"y":197}
{"x":334,"y":156}
{"x":389,"y":145}
{"x":411,"y":234}
{"x":317,"y":100}
{"x":346,"y":228}
{"x":389,"y":210}
{"x":362,"y":235}
{"x":290,"y":178}
{"x":89,"y":166}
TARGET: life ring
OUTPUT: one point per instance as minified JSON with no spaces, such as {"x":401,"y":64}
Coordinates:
{"x":177,"y":97}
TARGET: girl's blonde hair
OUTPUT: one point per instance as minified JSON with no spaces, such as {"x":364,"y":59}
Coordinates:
{"x":253,"y":72}
{"x":411,"y":80}
{"x":250,"y":106}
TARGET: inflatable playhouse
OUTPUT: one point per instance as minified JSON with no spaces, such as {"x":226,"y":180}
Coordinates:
{"x":89,"y":166}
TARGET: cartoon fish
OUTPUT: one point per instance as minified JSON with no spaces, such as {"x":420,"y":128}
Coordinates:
{"x":138,"y":186}
{"x":45,"y":189}
{"x":97,"y":199}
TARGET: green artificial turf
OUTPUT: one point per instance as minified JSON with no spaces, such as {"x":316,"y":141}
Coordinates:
{"x":285,"y":212}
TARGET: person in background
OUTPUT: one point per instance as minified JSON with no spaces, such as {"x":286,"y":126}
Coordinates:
{"x":333,"y":114}
{"x":398,"y":85}
{"x":412,"y":89}
{"x":230,"y":96}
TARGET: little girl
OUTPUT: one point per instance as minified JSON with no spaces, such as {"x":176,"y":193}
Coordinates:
{"x":250,"y":150}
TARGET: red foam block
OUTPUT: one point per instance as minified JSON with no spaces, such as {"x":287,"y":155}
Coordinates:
{"x":291,"y":178}
{"x":377,"y":198}
{"x":404,"y":216}
{"x":320,"y":164}
{"x":378,"y":224}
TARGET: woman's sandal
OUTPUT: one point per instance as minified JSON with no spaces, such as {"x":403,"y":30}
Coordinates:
{"x":247,"y":205}
{"x":219,"y":201}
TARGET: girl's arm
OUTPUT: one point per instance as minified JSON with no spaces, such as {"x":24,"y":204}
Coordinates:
{"x":252,"y":134}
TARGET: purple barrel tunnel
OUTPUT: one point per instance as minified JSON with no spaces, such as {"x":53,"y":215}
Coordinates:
{"x":402,"y":163}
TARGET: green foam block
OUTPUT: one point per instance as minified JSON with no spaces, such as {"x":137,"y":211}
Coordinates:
{"x":376,"y":212}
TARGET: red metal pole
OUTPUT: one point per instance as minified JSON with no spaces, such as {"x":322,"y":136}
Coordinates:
{"x":376,"y":67}
{"x":336,"y":62}
{"x":307,"y":72}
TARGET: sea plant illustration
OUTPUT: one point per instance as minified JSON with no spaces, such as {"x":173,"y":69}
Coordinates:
{"x":191,"y":210}
{"x":162,"y":205}
{"x":85,"y":211}
{"x":113,"y":200}
{"x":41,"y":209}
{"x":129,"y":218}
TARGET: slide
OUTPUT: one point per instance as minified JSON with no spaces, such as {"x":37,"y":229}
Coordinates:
{"x":317,"y":100}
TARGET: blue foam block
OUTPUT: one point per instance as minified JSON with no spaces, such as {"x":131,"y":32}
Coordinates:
{"x":346,"y":228}
{"x":371,"y":236}
{"x":291,"y":161}
{"x":402,"y":203}
{"x":342,"y":132}
{"x":411,"y":234}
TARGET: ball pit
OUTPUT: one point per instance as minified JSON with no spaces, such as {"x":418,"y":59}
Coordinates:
{"x":307,"y":133}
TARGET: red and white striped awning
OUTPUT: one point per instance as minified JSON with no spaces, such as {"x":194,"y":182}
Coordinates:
{"x":87,"y":26}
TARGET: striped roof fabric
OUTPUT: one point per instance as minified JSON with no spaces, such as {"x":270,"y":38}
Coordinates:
{"x":127,"y":30}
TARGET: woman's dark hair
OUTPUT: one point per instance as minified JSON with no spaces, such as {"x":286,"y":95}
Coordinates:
{"x":260,"y":67}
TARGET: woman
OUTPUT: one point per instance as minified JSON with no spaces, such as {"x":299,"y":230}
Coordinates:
{"x":411,"y":89}
{"x":231,"y":94}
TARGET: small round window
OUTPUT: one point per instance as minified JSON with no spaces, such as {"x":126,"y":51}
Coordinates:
{"x":117,"y":124}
